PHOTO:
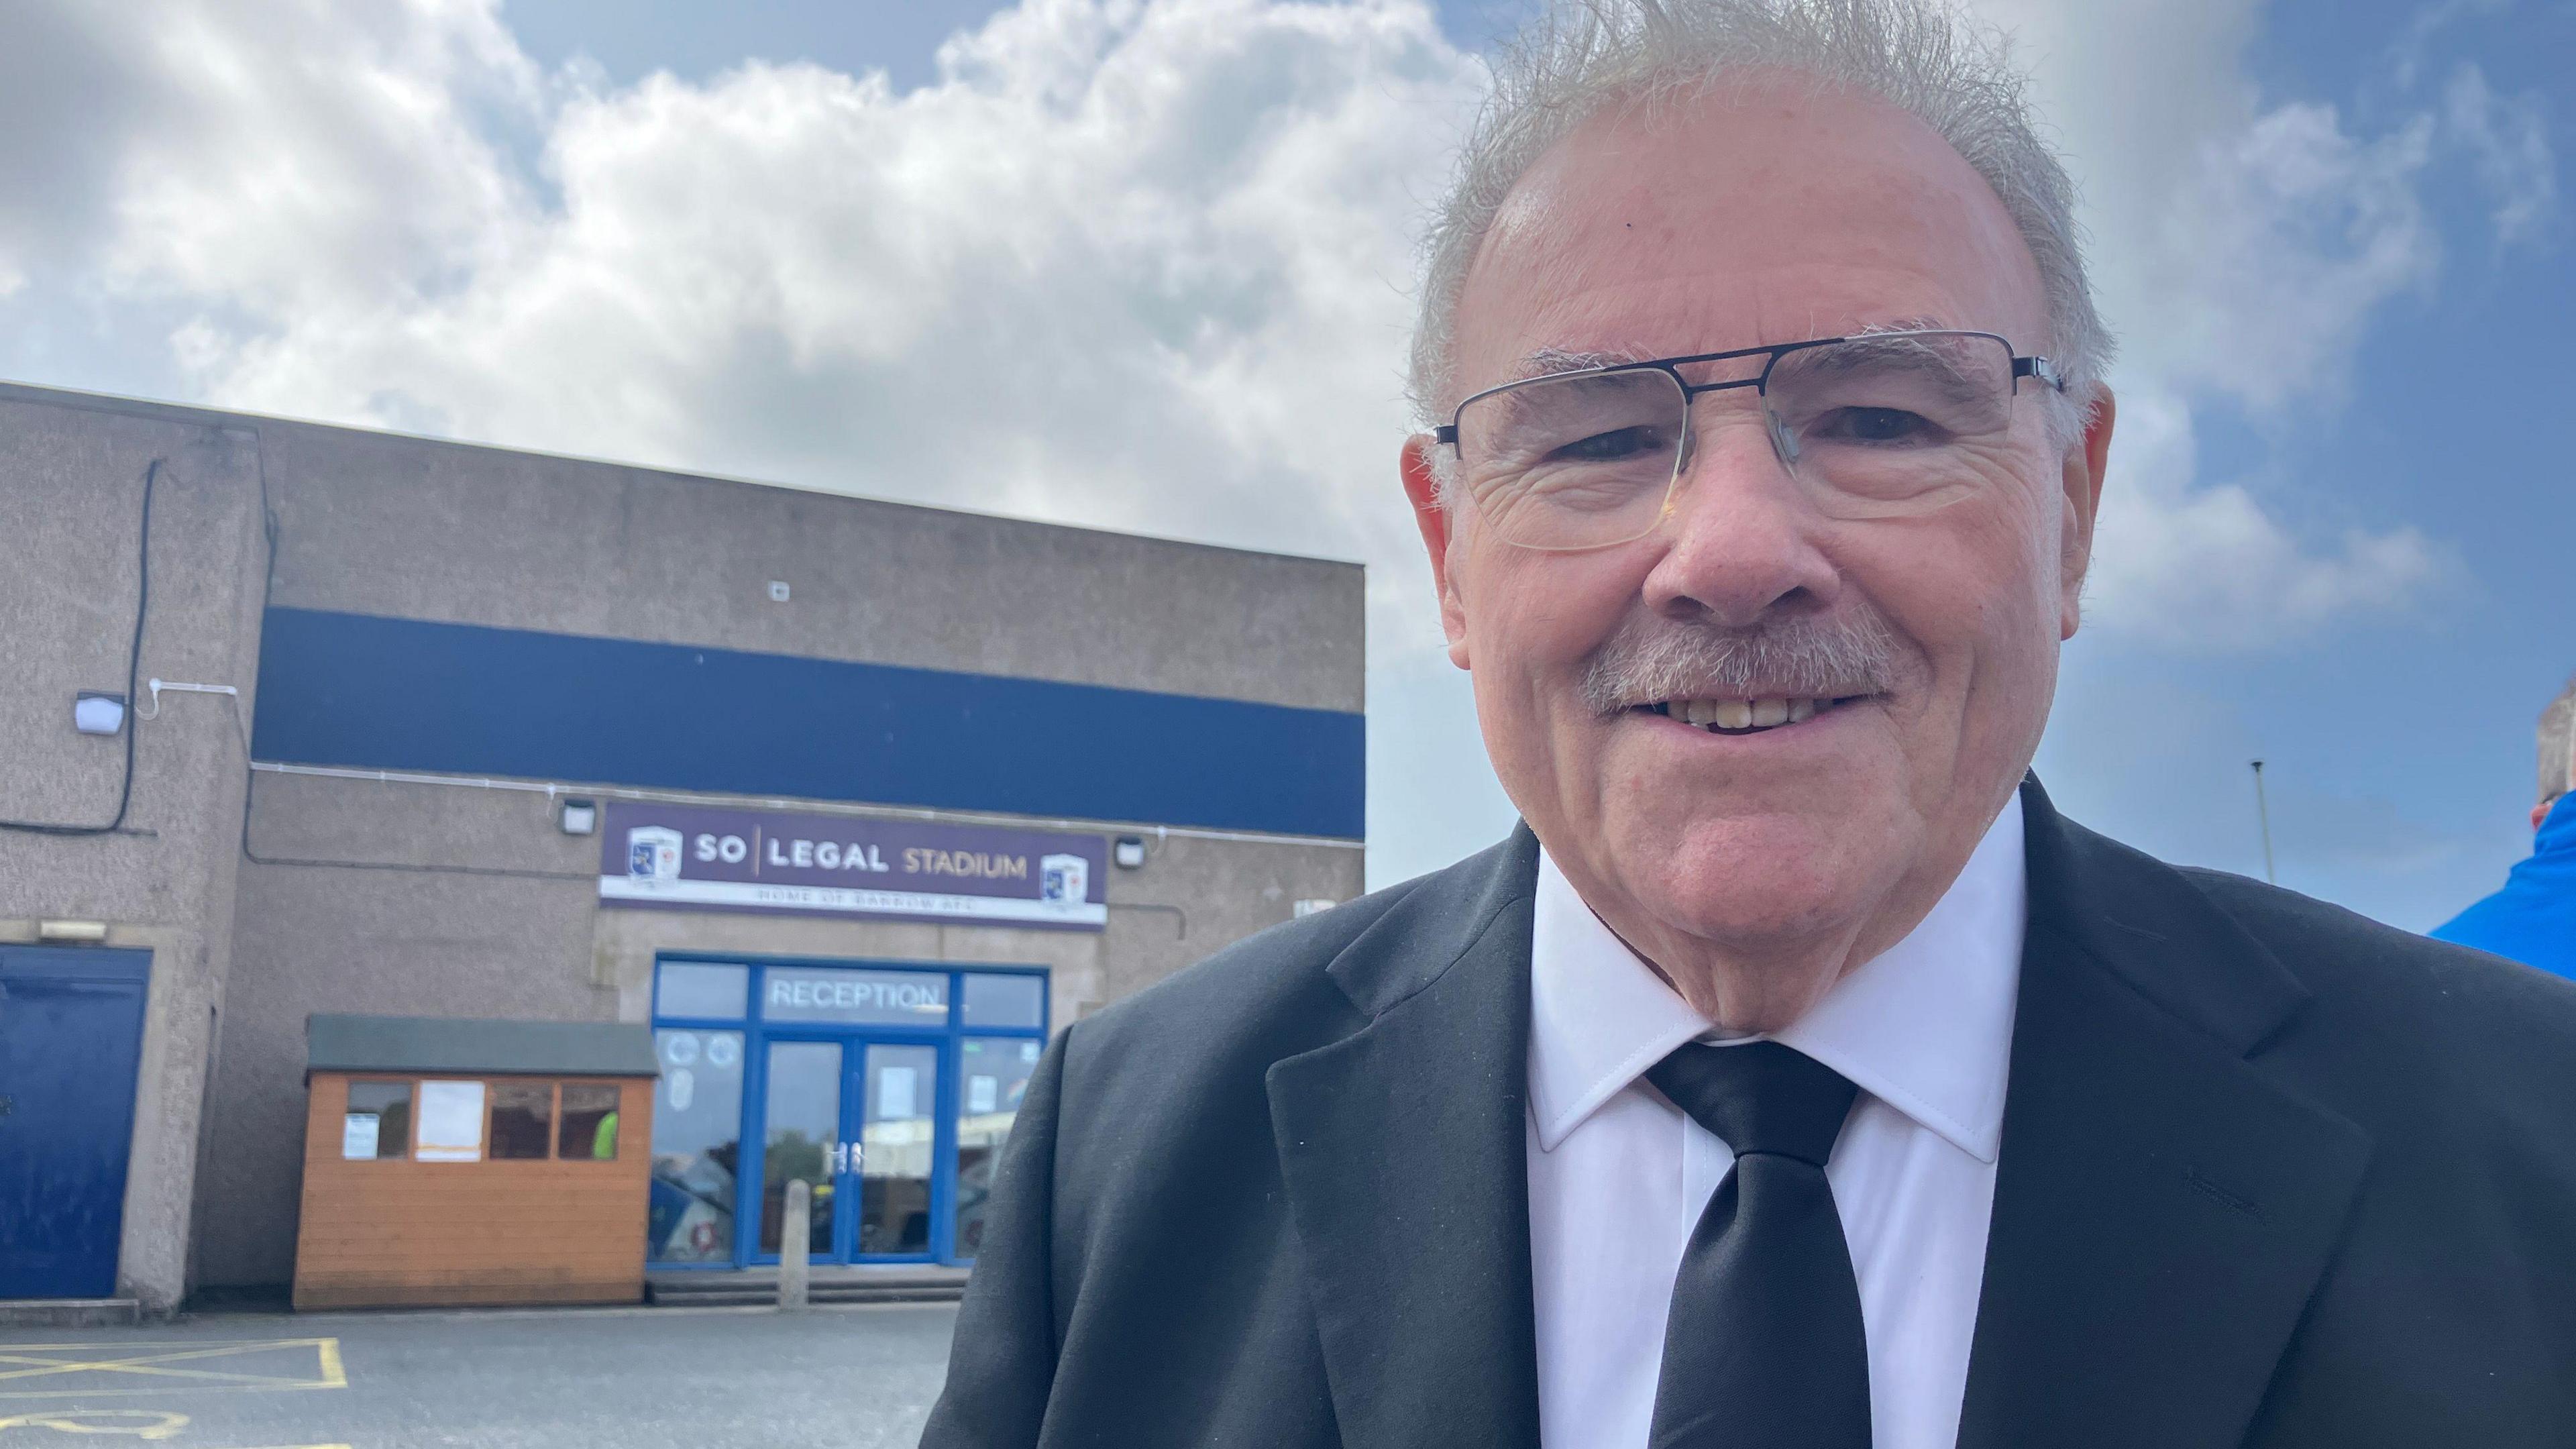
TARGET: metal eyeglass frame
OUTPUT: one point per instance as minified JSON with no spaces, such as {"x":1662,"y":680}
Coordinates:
{"x":2030,"y":366}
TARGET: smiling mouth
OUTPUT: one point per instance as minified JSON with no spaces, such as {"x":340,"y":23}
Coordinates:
{"x":1746,"y":716}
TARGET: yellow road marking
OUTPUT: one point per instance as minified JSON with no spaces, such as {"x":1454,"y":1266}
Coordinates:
{"x":33,"y":1361}
{"x":333,"y":1375}
{"x":83,"y":1421}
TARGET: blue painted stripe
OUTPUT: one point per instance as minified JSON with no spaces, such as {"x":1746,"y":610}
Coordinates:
{"x":368,"y":692}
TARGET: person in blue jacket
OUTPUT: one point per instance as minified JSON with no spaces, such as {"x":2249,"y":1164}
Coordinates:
{"x":2533,"y":919}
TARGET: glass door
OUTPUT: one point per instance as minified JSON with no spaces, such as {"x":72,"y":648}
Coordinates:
{"x":895,"y":1089}
{"x":802,"y":1141}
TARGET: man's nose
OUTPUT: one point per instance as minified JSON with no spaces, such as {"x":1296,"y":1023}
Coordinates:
{"x":1742,"y":533}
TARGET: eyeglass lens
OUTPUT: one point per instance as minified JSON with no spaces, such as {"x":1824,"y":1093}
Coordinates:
{"x":1869,"y":427}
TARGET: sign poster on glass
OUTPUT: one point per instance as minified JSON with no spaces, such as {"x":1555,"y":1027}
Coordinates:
{"x":358,"y":1135}
{"x":696,"y":1144}
{"x":451,"y":1122}
{"x":983,"y":1093}
{"x":895,"y":1086}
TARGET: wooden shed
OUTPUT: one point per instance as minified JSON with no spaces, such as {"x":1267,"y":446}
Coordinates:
{"x":452,"y":1162}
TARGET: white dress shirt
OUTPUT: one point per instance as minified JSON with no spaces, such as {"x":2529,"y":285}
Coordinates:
{"x":1618,"y":1176}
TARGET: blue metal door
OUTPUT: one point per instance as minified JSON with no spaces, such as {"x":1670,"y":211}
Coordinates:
{"x":71,"y":1037}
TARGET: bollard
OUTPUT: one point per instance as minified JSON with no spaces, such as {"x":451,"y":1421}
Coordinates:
{"x":795,"y":1244}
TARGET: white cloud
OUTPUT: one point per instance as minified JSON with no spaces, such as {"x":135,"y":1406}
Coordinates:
{"x":2270,"y":261}
{"x":2507,"y":141}
{"x":1138,"y":265}
{"x":348,"y":163}
{"x":2242,"y":251}
{"x":2414,"y":41}
{"x":2195,"y":566}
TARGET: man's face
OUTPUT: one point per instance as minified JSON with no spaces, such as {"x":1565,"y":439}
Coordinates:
{"x":1754,"y":868}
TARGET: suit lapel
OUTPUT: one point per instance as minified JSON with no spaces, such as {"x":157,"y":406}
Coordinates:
{"x":1402,"y":1147}
{"x":2162,"y":1208}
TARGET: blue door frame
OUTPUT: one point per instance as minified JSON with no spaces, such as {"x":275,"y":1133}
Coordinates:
{"x":854,"y":1039}
{"x":854,"y":1043}
{"x":71,"y":1041}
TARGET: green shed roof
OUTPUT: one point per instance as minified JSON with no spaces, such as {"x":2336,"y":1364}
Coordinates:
{"x":449,"y":1044}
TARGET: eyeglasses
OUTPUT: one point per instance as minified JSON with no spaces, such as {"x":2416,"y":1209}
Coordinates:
{"x":1875,"y":425}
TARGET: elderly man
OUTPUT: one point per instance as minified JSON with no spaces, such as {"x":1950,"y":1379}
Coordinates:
{"x":2533,"y":918}
{"x":1797,"y":1077}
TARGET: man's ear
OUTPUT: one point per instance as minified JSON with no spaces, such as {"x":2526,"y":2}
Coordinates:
{"x":1417,"y":464}
{"x":2086,"y":458}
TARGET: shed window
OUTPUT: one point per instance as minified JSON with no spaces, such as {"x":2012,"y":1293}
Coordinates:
{"x":522,"y":1118}
{"x":589,"y":1122}
{"x":379,"y":1121}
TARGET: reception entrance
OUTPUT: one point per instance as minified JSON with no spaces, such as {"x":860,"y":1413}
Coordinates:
{"x":888,"y":1088}
{"x":852,"y":1118}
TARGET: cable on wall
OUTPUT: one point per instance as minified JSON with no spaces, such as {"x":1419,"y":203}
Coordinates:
{"x":133,"y":670}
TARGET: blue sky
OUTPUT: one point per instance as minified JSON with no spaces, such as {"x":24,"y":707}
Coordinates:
{"x":2333,"y":235}
{"x":2399,"y":752}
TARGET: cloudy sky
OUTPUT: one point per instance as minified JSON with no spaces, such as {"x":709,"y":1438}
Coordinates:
{"x":1148,"y":266}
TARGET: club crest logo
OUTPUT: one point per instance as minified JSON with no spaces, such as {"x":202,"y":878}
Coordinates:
{"x":1064,"y":880}
{"x":652,"y":853}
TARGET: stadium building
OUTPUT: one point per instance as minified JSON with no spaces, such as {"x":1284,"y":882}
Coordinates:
{"x":850,"y":802}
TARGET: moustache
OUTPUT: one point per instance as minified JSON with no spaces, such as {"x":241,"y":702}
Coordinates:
{"x":1849,"y":653}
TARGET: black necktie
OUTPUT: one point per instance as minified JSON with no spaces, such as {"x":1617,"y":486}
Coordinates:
{"x":1763,"y":1347}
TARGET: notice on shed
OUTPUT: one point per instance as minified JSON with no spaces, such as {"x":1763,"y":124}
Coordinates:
{"x":693,"y":857}
{"x":451,"y":1122}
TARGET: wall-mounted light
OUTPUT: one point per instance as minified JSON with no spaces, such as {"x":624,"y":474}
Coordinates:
{"x":72,"y":933}
{"x":1129,"y":852}
{"x":95,"y":713}
{"x":578,"y":817}
{"x":778,"y":591}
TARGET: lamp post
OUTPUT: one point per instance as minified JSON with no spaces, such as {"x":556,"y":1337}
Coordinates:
{"x":2263,"y":814}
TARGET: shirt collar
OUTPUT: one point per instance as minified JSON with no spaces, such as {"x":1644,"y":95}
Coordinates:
{"x":1925,"y":1027}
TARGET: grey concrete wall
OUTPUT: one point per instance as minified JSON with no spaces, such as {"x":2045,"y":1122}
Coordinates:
{"x":70,"y":499}
{"x":375,"y":935}
{"x":380,"y":524}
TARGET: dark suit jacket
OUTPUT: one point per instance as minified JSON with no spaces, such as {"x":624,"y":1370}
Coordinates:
{"x":2271,"y":1175}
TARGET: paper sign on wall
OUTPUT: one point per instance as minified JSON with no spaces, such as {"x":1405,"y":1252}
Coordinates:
{"x":451,"y":1122}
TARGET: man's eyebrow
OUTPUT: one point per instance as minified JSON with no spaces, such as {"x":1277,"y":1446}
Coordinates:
{"x":1904,"y":324}
{"x":1549,"y":360}
{"x":1888,"y":346}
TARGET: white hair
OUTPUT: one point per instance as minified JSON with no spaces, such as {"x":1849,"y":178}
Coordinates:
{"x":1583,"y":57}
{"x":2558,"y":745}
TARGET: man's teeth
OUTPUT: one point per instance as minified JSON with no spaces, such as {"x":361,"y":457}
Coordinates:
{"x":1742,"y":714}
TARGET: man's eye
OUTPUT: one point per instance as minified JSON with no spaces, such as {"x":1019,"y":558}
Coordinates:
{"x":1873,"y":425}
{"x":1617,"y":446}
